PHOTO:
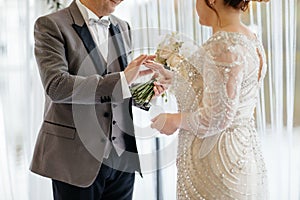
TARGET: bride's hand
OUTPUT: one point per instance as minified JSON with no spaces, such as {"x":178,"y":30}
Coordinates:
{"x":165,"y":76}
{"x":166,"y":123}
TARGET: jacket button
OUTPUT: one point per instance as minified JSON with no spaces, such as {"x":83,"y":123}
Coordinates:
{"x":113,"y":138}
{"x":114,"y":122}
{"x":106,"y":114}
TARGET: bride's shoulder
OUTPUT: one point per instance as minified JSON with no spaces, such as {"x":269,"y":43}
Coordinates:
{"x":221,"y":38}
{"x":224,"y":41}
{"x":227,"y":47}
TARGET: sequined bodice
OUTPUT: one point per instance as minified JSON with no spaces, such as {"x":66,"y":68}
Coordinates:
{"x":219,"y":155}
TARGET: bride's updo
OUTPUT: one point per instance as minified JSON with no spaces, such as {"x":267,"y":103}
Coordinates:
{"x":237,"y":4}
{"x":241,"y":4}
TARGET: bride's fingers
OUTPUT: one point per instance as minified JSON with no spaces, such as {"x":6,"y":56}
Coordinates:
{"x":154,"y":65}
{"x":145,"y":72}
{"x":162,"y":85}
{"x":150,"y":66}
{"x":156,"y":92}
{"x":158,"y":83}
{"x":154,"y":119}
{"x":159,"y":68}
{"x":154,"y":125}
{"x":144,"y":59}
{"x":165,"y":82}
{"x":156,"y":75}
{"x":151,"y":57}
{"x":158,"y":89}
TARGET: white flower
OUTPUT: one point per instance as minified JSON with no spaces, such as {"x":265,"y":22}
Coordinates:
{"x":168,"y":49}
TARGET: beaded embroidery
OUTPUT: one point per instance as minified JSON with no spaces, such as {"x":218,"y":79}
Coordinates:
{"x":233,"y":166}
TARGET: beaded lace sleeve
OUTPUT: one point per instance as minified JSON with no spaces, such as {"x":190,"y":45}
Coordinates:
{"x":222,"y":69}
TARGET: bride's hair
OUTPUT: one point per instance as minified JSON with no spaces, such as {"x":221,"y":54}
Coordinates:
{"x":241,"y":4}
{"x":237,"y":4}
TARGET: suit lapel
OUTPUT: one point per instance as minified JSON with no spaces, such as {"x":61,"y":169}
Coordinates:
{"x":83,"y":32}
{"x":119,"y":45}
{"x":91,"y":48}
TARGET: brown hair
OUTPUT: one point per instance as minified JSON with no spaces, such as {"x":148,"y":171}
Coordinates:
{"x":237,"y":4}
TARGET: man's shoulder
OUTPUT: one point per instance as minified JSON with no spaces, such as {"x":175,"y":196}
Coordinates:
{"x":58,"y":16}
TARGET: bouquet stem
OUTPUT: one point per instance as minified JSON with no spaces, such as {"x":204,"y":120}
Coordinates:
{"x":142,"y":94}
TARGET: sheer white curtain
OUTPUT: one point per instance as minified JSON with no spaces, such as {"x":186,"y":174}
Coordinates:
{"x":278,"y":113}
{"x":21,"y":101}
{"x":16,"y":89}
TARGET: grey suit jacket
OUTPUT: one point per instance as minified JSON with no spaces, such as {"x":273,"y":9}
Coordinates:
{"x":84,"y":99}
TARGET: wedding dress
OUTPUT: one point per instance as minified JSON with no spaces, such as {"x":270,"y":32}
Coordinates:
{"x":219,"y":157}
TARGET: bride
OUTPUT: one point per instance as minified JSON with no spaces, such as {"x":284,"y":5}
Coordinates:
{"x":219,"y":154}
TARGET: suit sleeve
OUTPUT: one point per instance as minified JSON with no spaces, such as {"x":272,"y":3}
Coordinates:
{"x":59,"y":84}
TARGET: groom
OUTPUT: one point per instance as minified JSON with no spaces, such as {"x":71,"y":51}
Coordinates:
{"x":86,"y":144}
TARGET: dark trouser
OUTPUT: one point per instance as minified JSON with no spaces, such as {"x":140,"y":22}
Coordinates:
{"x":110,"y":184}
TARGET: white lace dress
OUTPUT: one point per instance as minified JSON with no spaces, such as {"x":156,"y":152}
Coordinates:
{"x":219,"y":157}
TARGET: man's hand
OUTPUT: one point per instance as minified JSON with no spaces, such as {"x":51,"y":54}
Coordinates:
{"x":132,"y":71}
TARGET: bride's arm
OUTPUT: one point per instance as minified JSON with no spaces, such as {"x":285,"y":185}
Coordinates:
{"x":222,"y":69}
{"x":223,"y":73}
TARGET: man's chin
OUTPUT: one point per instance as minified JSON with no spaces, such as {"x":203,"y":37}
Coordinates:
{"x":112,"y":7}
{"x":111,"y":10}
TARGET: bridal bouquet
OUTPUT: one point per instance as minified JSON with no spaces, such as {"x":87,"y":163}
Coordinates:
{"x":167,"y":54}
